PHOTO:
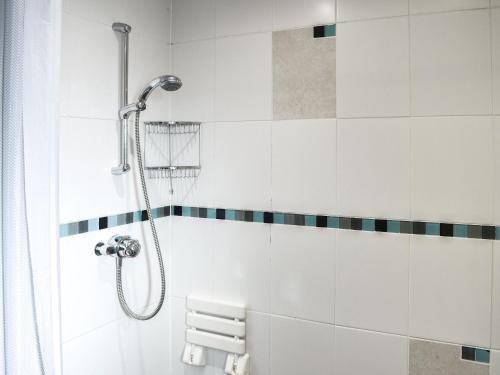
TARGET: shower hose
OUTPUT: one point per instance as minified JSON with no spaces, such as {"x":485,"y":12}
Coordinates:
{"x":119,"y":287}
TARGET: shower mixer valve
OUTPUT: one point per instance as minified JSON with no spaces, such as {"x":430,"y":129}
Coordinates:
{"x":119,"y":246}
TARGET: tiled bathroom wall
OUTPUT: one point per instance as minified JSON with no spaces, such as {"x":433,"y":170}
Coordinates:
{"x":354,"y":165}
{"x":394,"y":118}
{"x":97,"y":338}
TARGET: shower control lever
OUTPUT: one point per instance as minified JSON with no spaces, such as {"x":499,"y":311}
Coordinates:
{"x":119,"y":247}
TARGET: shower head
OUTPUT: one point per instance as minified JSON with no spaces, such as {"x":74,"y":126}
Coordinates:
{"x":167,"y":83}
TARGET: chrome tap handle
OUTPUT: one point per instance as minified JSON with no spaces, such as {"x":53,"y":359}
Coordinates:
{"x":119,"y":247}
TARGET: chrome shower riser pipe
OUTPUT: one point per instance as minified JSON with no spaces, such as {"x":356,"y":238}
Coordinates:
{"x":124,"y":30}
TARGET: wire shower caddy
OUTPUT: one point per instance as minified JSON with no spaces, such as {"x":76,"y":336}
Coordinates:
{"x":172,"y":149}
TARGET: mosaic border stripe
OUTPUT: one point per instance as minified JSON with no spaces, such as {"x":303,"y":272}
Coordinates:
{"x":485,"y":232}
{"x":104,"y":222}
{"x":475,"y":354}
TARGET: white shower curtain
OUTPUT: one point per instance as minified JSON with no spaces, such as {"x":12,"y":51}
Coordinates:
{"x":29,"y":290}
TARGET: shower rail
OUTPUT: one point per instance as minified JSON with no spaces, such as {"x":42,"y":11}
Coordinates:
{"x":124,"y":30}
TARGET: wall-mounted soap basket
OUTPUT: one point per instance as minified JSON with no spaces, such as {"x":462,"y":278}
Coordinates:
{"x":172,"y":149}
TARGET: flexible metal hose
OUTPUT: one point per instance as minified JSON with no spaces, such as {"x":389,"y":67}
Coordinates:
{"x":119,"y":287}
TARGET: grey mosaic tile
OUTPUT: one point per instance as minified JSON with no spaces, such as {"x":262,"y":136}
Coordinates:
{"x":430,"y":358}
{"x":304,"y":75}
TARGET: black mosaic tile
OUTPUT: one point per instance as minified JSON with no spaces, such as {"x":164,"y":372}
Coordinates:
{"x":220,"y":213}
{"x":488,"y":232}
{"x":177,"y":210}
{"x":468,"y":354}
{"x":319,"y":31}
{"x":321,"y":221}
{"x":418,"y":227}
{"x":103,"y":222}
{"x":446,"y":230}
{"x":356,"y":223}
{"x":380,"y":225}
{"x":144,"y":215}
{"x":268,"y":217}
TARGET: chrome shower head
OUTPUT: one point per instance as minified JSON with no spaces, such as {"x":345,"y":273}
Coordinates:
{"x":167,"y":83}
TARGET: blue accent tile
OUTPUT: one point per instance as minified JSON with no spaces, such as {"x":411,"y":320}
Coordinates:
{"x":137,"y":216}
{"x":63,"y":230}
{"x":258,"y":216}
{"x":186,"y":211}
{"x":393,"y":226}
{"x":279,"y":218}
{"x":333,"y":222}
{"x":211,"y":213}
{"x":497,"y":233}
{"x":460,"y":230}
{"x":230,"y":215}
{"x":310,"y":221}
{"x":432,"y":229}
{"x":330,"y":30}
{"x":93,"y":224}
{"x":482,"y":355}
{"x":368,"y":225}
{"x":112,"y":221}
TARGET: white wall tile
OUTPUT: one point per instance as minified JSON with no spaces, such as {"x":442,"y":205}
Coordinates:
{"x":243,"y":165}
{"x":88,"y":281}
{"x":373,"y":68}
{"x":241,"y":263}
{"x":496,"y":171}
{"x":198,"y":192}
{"x":104,"y":11}
{"x":372,"y":281}
{"x":451,"y":63}
{"x":363,"y":352}
{"x":80,"y":169}
{"x":258,"y":328}
{"x":452,"y":169}
{"x":192,"y":255}
{"x":121,"y":347}
{"x":192,"y":20}
{"x":241,"y":16}
{"x":450,"y":290}
{"x":243,"y":89}
{"x":304,"y":166}
{"x":495,"y":18}
{"x":429,"y":6}
{"x":495,"y":362}
{"x":149,"y":59}
{"x":149,"y":18}
{"x":495,"y":3}
{"x":291,"y":14}
{"x":349,"y":10}
{"x":303,"y":272}
{"x":300,"y":347}
{"x":89,"y":89}
{"x":373,"y":174}
{"x":194,"y":63}
{"x":495,"y":319}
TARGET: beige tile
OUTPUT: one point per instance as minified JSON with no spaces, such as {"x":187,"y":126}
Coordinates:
{"x":304,"y":75}
{"x":429,"y":358}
